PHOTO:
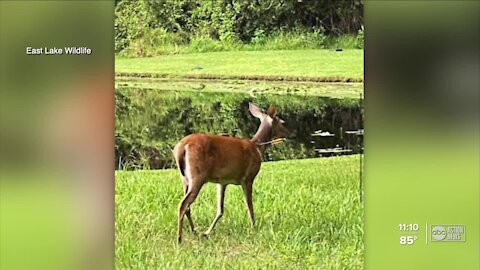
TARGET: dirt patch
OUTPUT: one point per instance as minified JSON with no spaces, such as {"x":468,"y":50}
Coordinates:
{"x":242,"y":77}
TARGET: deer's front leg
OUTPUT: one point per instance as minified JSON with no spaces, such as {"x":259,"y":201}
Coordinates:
{"x":220,"y":202}
{"x":247,"y":191}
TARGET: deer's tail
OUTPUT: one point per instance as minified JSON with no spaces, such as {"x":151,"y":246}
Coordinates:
{"x":179,"y":153}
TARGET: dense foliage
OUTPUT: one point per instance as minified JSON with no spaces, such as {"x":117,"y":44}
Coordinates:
{"x":167,"y":23}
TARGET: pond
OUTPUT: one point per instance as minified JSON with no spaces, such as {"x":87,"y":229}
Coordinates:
{"x":149,"y":122}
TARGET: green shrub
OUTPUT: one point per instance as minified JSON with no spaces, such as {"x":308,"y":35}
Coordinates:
{"x":156,"y":41}
{"x":158,"y":27}
{"x":132,"y":20}
{"x":259,"y":37}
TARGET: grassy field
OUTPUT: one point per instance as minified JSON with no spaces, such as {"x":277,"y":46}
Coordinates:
{"x":308,"y":216}
{"x":295,"y":63}
{"x":304,"y":72}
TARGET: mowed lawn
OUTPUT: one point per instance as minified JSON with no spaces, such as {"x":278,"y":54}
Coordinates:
{"x":308,"y":216}
{"x":295,"y":63}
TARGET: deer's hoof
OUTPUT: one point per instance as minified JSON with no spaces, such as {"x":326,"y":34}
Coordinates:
{"x":205,"y":235}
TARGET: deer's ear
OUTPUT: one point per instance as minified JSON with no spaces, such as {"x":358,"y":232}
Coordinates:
{"x":255,"y":110}
{"x":272,"y":111}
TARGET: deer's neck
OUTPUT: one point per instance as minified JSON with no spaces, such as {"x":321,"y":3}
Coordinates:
{"x":263,"y":134}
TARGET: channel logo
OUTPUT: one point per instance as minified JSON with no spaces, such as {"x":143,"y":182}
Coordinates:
{"x":448,"y":233}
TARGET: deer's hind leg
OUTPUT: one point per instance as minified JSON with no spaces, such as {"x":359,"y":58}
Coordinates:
{"x":188,"y":212}
{"x":188,"y":199}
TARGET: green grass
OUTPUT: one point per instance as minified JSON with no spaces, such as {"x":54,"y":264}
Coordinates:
{"x":308,"y":216}
{"x":157,"y":41}
{"x":293,"y":63}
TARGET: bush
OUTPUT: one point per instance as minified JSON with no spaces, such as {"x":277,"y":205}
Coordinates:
{"x":225,"y":25}
{"x":156,"y":42}
{"x":132,"y":20}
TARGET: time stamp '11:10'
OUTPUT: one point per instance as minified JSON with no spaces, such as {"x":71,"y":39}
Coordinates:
{"x":411,"y":228}
{"x":408,"y":227}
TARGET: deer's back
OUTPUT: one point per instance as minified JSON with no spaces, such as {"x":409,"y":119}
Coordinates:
{"x":220,"y":158}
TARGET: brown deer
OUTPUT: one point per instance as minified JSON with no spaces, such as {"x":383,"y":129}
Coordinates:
{"x":224,"y":160}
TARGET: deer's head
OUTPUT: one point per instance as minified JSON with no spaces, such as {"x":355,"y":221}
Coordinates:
{"x":271,"y":125}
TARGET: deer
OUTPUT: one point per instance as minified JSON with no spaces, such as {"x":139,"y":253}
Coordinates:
{"x":224,"y":160}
